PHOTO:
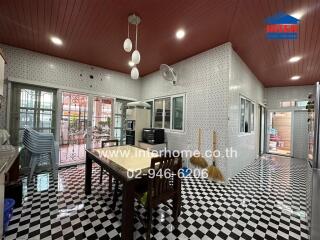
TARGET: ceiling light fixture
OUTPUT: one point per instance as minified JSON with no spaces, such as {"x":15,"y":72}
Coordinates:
{"x":127,"y":45}
{"x":298,"y":14}
{"x":295,"y":77}
{"x":136,"y":54}
{"x":131,"y":64}
{"x":180,"y":34}
{"x":56,"y":41}
{"x":134,"y":73}
{"x":295,"y":59}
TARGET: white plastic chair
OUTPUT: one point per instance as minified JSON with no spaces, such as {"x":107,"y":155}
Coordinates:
{"x":40,"y":145}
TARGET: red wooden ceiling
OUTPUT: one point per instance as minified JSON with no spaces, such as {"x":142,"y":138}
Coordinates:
{"x":93,"y":32}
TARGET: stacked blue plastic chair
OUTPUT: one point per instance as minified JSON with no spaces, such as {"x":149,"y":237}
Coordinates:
{"x":40,"y":145}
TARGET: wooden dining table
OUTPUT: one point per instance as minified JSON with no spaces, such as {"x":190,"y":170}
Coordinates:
{"x":126,"y":164}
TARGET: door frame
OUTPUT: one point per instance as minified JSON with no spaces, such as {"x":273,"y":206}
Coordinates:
{"x":267,"y":126}
{"x":90,"y":116}
{"x":293,"y":123}
{"x":262,"y":140}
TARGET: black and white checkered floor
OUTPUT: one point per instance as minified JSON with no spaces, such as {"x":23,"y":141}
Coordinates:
{"x":267,"y":200}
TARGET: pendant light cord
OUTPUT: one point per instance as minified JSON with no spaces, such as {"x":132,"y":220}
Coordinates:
{"x":128,"y":30}
{"x":136,"y":36}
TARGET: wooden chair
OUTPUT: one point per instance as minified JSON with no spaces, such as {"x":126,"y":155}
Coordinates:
{"x":160,"y":188}
{"x":110,"y":143}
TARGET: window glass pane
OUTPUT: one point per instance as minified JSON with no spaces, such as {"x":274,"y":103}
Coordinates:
{"x":151,"y":112}
{"x":167,"y":103}
{"x":301,"y":103}
{"x":242,"y":109}
{"x":46,"y":100}
{"x":177,"y":113}
{"x":252,"y":118}
{"x":158,"y":110}
{"x":287,"y":104}
{"x":45,"y":119}
{"x":27,"y":98}
{"x":247,"y":116}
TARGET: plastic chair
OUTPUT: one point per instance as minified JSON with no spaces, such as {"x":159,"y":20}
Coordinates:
{"x":40,"y":145}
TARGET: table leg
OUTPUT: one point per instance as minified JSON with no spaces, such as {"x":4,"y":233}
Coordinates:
{"x":127,"y":211}
{"x":88,"y":174}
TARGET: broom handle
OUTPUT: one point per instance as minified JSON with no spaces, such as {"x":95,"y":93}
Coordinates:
{"x":199,"y":139}
{"x":214,"y":144}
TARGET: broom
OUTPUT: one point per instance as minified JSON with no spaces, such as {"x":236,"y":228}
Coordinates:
{"x":213,"y":172}
{"x":198,"y":160}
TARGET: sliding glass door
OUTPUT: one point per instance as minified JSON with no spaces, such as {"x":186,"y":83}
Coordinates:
{"x":84,"y":120}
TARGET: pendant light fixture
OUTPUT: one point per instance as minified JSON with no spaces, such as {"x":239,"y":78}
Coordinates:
{"x":127,"y":45}
{"x":135,"y":57}
{"x":134,"y":73}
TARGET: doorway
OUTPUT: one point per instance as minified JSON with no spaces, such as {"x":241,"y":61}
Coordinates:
{"x":85,"y":122}
{"x":73,"y":128}
{"x":279,"y":132}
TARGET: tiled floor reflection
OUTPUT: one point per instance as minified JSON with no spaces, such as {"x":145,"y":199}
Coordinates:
{"x":267,"y":200}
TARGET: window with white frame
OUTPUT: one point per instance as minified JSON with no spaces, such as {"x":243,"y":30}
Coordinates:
{"x":168,"y":112}
{"x":246,"y":115}
{"x":288,"y":103}
{"x":301,"y":103}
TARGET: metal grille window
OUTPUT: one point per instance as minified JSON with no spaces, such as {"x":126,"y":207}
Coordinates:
{"x":34,"y":107}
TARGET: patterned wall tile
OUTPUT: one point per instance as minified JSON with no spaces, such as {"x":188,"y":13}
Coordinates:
{"x":242,"y":82}
{"x":43,"y":69}
{"x":205,"y":80}
{"x":277,"y":94}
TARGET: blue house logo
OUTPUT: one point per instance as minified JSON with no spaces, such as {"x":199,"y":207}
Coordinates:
{"x":282,"y":26}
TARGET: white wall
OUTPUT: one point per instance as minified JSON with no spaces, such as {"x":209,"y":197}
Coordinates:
{"x":40,"y":69}
{"x":213,"y":82}
{"x":275,"y":95}
{"x":205,"y":79}
{"x":242,"y":82}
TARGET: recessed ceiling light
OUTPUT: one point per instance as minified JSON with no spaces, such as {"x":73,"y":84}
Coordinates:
{"x":180,"y":34}
{"x":131,"y":64}
{"x":56,"y":41}
{"x":295,"y":77}
{"x":295,"y":59}
{"x":299,"y":13}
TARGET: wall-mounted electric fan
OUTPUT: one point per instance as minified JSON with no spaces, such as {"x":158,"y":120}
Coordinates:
{"x":168,"y":73}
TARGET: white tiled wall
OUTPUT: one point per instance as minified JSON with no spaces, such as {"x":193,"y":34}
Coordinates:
{"x":205,"y":79}
{"x":242,"y":82}
{"x":45,"y":70}
{"x":213,"y":82}
{"x":277,"y":94}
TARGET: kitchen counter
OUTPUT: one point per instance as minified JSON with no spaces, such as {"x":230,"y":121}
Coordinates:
{"x":8,"y":156}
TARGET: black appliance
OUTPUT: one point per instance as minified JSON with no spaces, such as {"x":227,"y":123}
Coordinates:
{"x":130,"y":125}
{"x":153,"y":135}
{"x":130,"y":137}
